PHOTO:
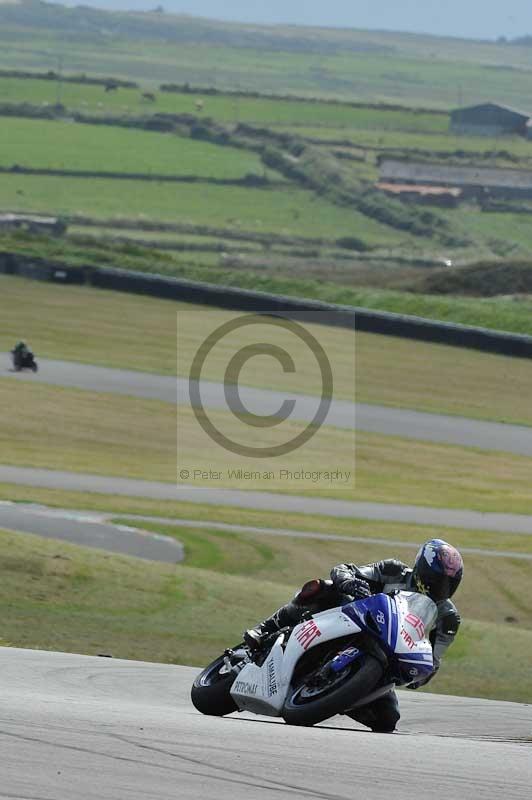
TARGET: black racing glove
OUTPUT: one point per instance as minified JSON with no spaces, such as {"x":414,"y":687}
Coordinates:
{"x":357,"y":588}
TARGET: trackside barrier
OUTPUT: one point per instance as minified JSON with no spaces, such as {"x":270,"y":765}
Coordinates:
{"x":361,"y":319}
{"x":355,"y":318}
{"x":41,"y":270}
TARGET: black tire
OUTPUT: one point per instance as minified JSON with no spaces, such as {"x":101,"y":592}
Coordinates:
{"x":35,"y":366}
{"x":360,"y":679}
{"x":210,"y":691}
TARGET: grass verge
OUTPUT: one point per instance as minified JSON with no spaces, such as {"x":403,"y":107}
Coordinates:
{"x":91,"y":432}
{"x":311,"y":523}
{"x":90,"y":602}
{"x":314,"y":523}
{"x":292,"y":561}
{"x":81,"y":431}
{"x":123,"y":330}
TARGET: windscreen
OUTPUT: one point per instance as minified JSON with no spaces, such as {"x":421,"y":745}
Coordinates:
{"x":421,"y":606}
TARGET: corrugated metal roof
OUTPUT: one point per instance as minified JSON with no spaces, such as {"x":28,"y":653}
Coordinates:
{"x":519,"y":112}
{"x":393,"y":171}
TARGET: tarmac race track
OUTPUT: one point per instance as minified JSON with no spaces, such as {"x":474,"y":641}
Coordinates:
{"x":88,"y":728}
{"x":418,"y":425}
{"x":97,"y":529}
{"x":206,"y":495}
{"x":89,"y":530}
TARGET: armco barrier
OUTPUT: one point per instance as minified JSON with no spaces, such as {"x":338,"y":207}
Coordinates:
{"x":40,"y":269}
{"x":361,"y":319}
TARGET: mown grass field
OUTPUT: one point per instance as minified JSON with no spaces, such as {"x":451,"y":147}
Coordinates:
{"x":68,"y":145}
{"x":82,"y":431}
{"x":92,"y":432}
{"x":135,"y":332}
{"x":86,"y":601}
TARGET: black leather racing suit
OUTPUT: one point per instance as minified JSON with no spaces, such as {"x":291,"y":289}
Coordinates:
{"x":382,"y":576}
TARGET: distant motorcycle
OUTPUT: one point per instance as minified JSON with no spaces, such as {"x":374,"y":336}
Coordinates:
{"x":331,"y":663}
{"x":23,"y":360}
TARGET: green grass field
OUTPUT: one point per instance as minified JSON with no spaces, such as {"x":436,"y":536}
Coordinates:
{"x":440,"y":143}
{"x":68,"y":145}
{"x":424,"y":70}
{"x":224,"y":108}
{"x":286,"y":211}
{"x":135,"y":332}
{"x":86,"y":601}
{"x":290,"y":211}
{"x":367,"y":128}
{"x":508,"y":234}
{"x":82,"y":431}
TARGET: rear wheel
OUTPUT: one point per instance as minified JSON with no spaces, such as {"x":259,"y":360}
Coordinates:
{"x":210,"y":690}
{"x":321,"y":695}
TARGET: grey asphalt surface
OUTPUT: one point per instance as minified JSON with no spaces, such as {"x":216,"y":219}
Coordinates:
{"x":89,"y":530}
{"x":87,"y":728}
{"x":418,"y":425}
{"x":94,"y":529}
{"x":264,"y":501}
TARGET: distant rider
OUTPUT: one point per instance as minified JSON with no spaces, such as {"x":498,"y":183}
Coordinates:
{"x":21,"y":349}
{"x":437,"y":572}
{"x":20,"y":353}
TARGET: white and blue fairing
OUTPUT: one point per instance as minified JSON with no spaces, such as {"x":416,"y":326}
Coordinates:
{"x":402,"y":624}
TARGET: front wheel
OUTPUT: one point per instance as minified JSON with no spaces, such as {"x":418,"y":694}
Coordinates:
{"x":210,"y":690}
{"x":320,"y":697}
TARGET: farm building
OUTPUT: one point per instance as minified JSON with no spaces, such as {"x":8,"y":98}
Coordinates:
{"x":490,"y":119}
{"x":445,"y":196}
{"x":473,"y":181}
{"x":32,"y":223}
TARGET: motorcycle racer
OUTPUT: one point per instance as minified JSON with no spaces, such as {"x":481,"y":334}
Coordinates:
{"x":23,"y":358}
{"x":437,"y":572}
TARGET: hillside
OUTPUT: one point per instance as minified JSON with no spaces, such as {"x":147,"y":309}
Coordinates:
{"x":414,"y":69}
{"x":234,"y":154}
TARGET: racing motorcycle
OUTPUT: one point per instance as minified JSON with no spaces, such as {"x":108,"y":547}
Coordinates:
{"x":24,"y":360}
{"x":332,"y":662}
